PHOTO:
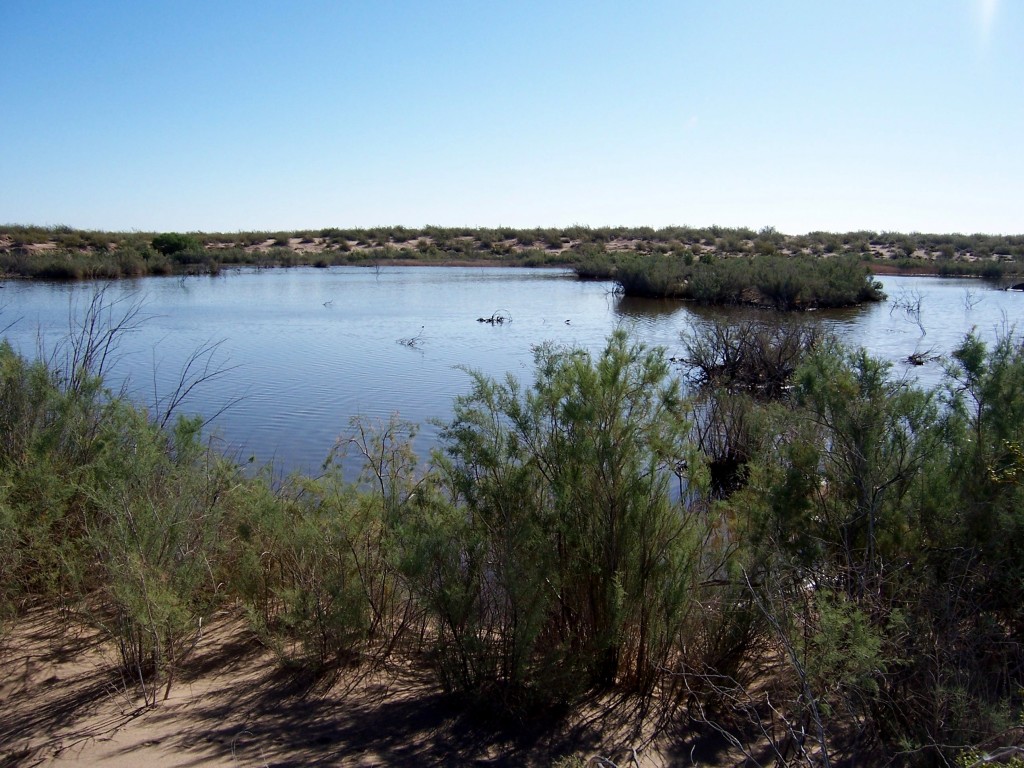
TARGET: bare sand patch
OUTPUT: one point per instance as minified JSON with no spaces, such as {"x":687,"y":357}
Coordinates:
{"x":64,"y":703}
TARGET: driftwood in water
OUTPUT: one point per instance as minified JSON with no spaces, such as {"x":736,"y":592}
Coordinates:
{"x":500,"y":317}
{"x":413,"y":342}
{"x":920,"y":358}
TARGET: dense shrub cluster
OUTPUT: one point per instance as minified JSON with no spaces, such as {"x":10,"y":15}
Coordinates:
{"x":171,"y":243}
{"x":852,"y":588}
{"x":561,"y":563}
{"x":781,"y":282}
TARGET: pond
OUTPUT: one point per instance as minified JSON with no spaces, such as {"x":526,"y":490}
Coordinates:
{"x":302,"y":351}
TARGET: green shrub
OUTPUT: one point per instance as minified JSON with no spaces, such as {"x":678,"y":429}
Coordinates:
{"x":155,"y":543}
{"x":312,"y":560}
{"x":783,"y":282}
{"x":171,"y":243}
{"x":58,"y":267}
{"x":560,"y":561}
{"x":305,"y":589}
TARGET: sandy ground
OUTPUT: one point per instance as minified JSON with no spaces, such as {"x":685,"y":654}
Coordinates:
{"x":63,"y":703}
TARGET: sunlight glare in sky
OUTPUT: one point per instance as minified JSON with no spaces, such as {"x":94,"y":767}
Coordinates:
{"x":987,"y":14}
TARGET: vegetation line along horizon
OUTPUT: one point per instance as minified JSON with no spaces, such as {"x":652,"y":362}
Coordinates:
{"x":633,"y":253}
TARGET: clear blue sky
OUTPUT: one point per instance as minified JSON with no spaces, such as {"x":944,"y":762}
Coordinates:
{"x":799,"y":114}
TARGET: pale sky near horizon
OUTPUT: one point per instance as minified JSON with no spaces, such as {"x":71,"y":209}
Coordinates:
{"x":804,"y":115}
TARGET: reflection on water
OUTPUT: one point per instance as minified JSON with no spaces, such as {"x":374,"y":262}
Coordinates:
{"x":312,"y":348}
{"x":655,"y":310}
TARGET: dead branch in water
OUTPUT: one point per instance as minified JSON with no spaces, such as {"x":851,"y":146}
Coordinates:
{"x":413,"y":342}
{"x":499,"y":317}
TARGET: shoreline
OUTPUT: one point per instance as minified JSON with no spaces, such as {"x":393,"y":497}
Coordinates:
{"x":65,"y":253}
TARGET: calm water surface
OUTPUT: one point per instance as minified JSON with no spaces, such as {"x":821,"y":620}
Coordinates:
{"x":306,"y":350}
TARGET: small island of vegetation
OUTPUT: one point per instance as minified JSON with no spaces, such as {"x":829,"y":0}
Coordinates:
{"x":779,"y":282}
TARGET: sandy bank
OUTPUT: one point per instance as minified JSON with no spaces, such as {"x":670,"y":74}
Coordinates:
{"x":65,"y":704}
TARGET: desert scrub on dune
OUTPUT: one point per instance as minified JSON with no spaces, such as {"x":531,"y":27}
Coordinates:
{"x":171,"y":243}
{"x":129,"y":260}
{"x":954,"y":253}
